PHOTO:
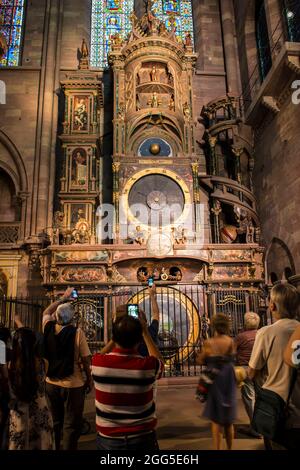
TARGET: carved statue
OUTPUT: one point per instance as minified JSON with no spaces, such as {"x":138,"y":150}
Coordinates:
{"x":84,"y":56}
{"x":139,"y":235}
{"x":188,"y":40}
{"x":178,"y":235}
{"x":138,"y":103}
{"x":172,"y":103}
{"x":133,"y":18}
{"x":82,"y":232}
{"x":169,"y":76}
{"x":154,"y":102}
{"x":187,"y":110}
{"x":153,"y":74}
{"x":117,"y":40}
{"x":84,"y":49}
{"x":162,"y":29}
{"x":250,"y":232}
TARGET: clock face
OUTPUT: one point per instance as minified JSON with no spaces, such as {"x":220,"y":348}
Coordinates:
{"x":160,"y":197}
{"x":159,"y":244}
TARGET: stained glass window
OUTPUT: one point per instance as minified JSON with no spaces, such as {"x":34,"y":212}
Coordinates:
{"x":292,"y":16}
{"x":182,"y":10}
{"x":262,"y":40}
{"x":11,"y":26}
{"x":109,"y":17}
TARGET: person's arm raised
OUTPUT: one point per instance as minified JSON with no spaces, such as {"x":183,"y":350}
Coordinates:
{"x":151,"y":346}
{"x":50,"y":310}
{"x":154,"y":304}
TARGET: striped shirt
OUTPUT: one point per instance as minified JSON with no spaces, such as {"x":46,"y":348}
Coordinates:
{"x":124,"y":383}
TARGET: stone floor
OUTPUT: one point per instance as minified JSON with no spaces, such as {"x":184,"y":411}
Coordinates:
{"x":180,"y":425}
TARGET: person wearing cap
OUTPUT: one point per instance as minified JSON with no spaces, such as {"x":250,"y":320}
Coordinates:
{"x":244,"y":346}
{"x":68,"y":354}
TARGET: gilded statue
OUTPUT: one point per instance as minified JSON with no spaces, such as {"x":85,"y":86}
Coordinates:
{"x":82,"y":233}
{"x":154,"y":102}
{"x":153,"y":74}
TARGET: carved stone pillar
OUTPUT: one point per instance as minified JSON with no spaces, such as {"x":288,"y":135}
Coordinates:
{"x":237,"y":152}
{"x":212,"y":152}
{"x":228,"y":24}
{"x":116,"y":200}
{"x":216,"y":211}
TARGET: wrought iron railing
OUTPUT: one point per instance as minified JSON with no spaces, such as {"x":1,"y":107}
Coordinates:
{"x":184,"y":316}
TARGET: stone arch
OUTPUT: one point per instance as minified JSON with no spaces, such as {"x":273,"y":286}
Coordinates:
{"x":279,"y":260}
{"x":12,"y":162}
{"x":3,"y":283}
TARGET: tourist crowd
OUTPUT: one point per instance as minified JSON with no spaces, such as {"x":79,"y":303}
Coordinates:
{"x":44,"y":380}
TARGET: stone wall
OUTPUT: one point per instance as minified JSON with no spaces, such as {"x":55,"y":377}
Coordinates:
{"x":276,"y":144}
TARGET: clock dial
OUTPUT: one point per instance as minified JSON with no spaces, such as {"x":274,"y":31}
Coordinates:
{"x":159,"y":245}
{"x":156,"y":193}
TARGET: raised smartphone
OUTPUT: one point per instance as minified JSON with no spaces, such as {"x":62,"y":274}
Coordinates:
{"x":133,"y":310}
{"x":150,"y":281}
{"x":74,"y":294}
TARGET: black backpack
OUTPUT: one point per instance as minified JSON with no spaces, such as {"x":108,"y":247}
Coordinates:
{"x":59,"y":350}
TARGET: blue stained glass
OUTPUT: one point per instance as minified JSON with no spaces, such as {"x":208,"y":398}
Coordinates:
{"x":182,"y":10}
{"x":11,"y":29}
{"x":109,"y":17}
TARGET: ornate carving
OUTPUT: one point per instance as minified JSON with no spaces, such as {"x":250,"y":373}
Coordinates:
{"x":113,"y":275}
{"x":9,"y":234}
{"x":271,"y":104}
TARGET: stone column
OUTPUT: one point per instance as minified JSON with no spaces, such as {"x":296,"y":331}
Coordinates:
{"x":116,"y":200}
{"x":230,"y":47}
{"x":46,"y":120}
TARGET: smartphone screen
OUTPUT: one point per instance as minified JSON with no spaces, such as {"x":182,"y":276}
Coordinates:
{"x":150,"y":281}
{"x":74,"y":294}
{"x":133,"y":310}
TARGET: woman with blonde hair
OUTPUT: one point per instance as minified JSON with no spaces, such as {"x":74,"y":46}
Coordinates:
{"x":218,"y":354}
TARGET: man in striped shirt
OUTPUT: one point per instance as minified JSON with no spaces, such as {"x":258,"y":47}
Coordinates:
{"x":124,"y":381}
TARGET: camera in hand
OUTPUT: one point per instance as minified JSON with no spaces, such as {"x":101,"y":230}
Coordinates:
{"x":133,"y":310}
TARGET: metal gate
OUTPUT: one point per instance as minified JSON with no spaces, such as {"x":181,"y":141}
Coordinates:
{"x":184,"y":310}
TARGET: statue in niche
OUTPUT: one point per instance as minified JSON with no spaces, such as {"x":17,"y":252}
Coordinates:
{"x":139,"y":236}
{"x":153,"y":74}
{"x":154,"y":102}
{"x":82,"y":232}
{"x":80,"y":114}
{"x":187,"y":110}
{"x":170,"y":77}
{"x":121,"y":113}
{"x":138,"y":103}
{"x":79,"y":167}
{"x":84,"y":50}
{"x":149,"y":21}
{"x":172,"y":103}
{"x":250,"y":232}
{"x":188,"y":40}
{"x":178,"y":235}
{"x":162,"y":29}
